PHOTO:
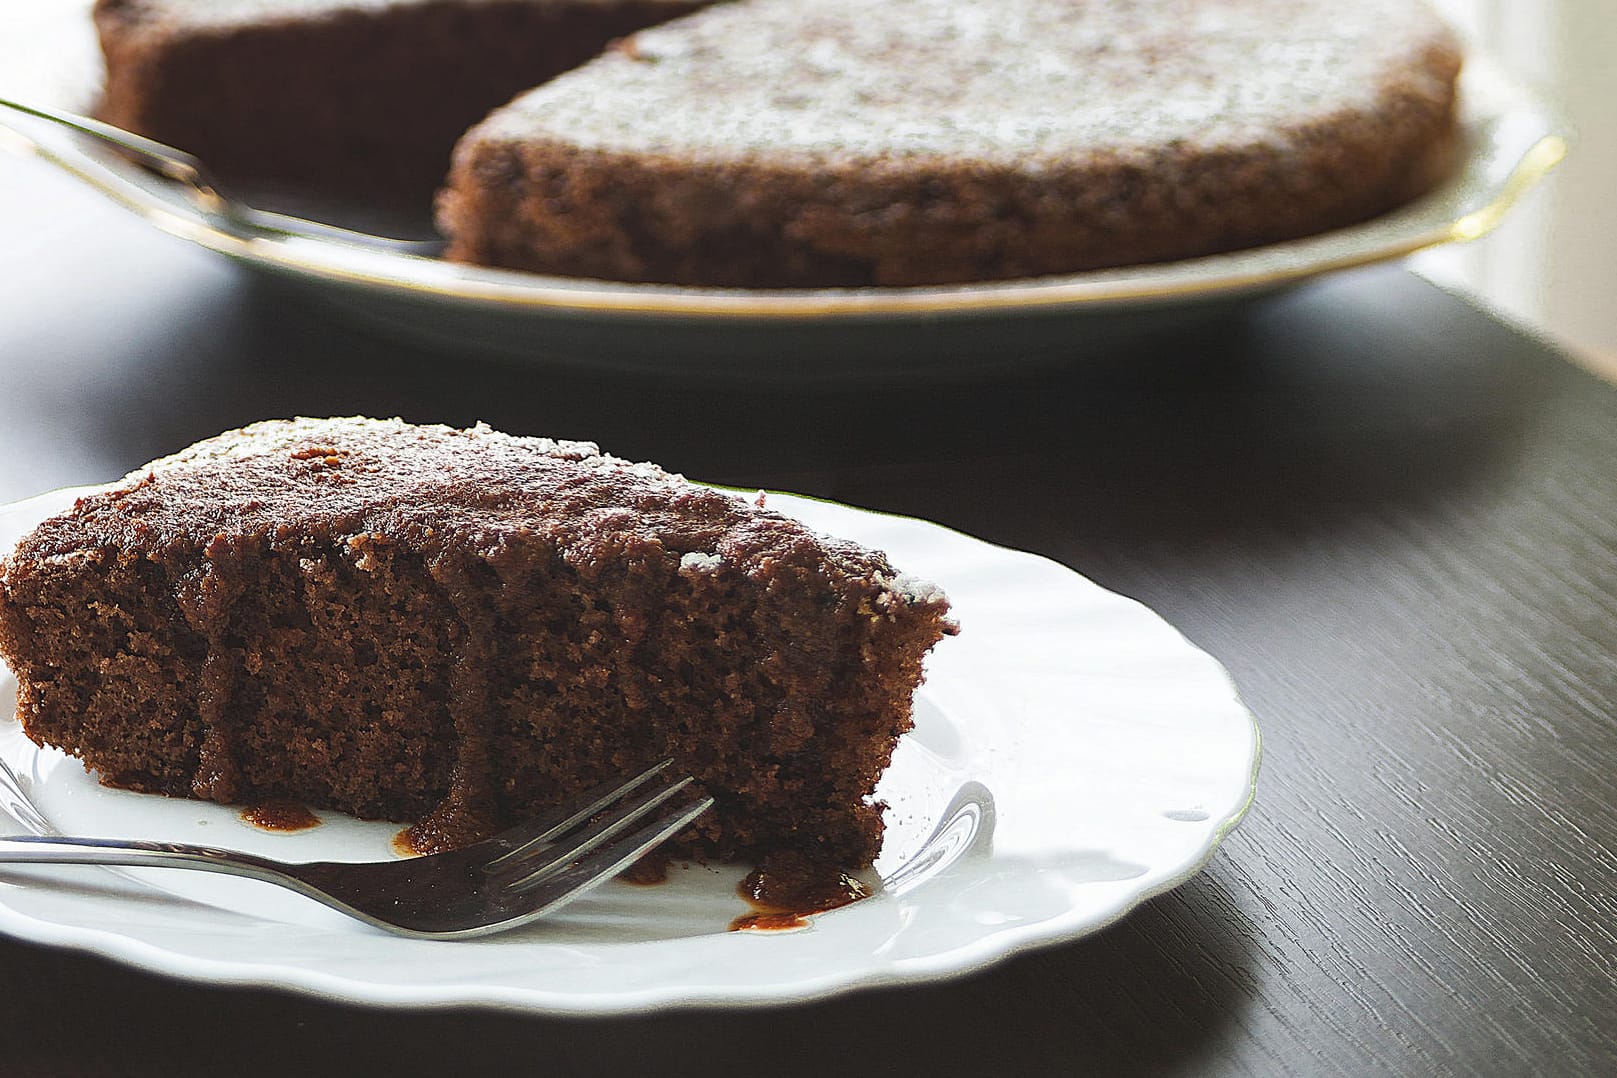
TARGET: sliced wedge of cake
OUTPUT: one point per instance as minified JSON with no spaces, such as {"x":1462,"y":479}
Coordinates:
{"x":463,"y":627}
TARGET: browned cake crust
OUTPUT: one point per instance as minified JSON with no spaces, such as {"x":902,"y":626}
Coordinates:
{"x":407,"y":622}
{"x":778,"y":143}
{"x":343,"y":96}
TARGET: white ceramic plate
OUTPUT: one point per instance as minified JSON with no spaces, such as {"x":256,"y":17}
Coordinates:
{"x":1510,"y":140}
{"x":1073,"y":756}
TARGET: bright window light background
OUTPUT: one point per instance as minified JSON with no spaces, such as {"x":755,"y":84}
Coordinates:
{"x":1552,"y":265}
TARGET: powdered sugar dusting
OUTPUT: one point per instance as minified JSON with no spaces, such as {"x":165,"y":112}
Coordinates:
{"x":697,"y":562}
{"x":914,"y":589}
{"x":1029,"y":81}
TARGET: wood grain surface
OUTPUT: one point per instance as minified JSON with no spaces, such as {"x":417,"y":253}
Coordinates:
{"x":1391,"y":517}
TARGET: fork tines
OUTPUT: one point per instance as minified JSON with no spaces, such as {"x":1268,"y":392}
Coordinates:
{"x":601,"y":830}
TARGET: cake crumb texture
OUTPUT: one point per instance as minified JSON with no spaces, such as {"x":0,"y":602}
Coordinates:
{"x":465,"y":627}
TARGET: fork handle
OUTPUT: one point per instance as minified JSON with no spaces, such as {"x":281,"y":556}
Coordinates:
{"x":53,"y":850}
{"x":204,"y":190}
{"x":176,"y":164}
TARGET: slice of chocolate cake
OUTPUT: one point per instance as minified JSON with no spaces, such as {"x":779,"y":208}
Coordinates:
{"x":359,"y":97}
{"x":844,"y":142}
{"x":418,"y":622}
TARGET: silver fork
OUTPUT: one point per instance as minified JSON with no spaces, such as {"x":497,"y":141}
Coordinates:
{"x":204,"y":191}
{"x":511,"y":879}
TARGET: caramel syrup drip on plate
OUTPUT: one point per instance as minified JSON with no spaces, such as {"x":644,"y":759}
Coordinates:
{"x":788,"y":888}
{"x":448,"y":827}
{"x":280,"y":816}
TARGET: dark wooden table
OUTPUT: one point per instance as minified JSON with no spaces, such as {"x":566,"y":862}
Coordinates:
{"x":1393,"y":518}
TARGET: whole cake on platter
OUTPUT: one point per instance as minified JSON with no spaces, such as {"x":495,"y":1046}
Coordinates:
{"x":779,"y":143}
{"x":465,"y":628}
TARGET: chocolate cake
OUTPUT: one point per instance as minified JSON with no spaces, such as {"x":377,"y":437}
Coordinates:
{"x":343,"y":96}
{"x":840,"y":142}
{"x":458,"y":625}
{"x":771,"y":143}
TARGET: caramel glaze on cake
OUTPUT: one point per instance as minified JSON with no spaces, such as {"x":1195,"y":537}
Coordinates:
{"x":406,"y":622}
{"x":342,"y":96}
{"x":840,"y":142}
